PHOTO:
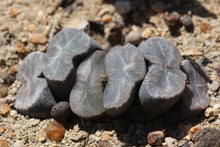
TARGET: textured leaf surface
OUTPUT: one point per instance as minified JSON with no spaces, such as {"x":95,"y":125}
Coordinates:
{"x":125,"y":67}
{"x":194,"y":99}
{"x":86,"y":97}
{"x":164,"y":81}
{"x":34,"y":98}
{"x":66,"y":50}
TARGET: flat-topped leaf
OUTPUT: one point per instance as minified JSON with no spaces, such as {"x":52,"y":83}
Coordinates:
{"x":125,"y":68}
{"x":86,"y":97}
{"x":164,"y":82}
{"x":194,"y":99}
{"x":66,"y":50}
{"x":34,"y":98}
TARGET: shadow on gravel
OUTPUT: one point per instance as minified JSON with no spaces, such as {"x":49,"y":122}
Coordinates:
{"x":132,"y":133}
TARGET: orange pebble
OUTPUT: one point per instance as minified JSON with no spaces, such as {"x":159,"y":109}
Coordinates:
{"x":4,"y":109}
{"x":55,"y":131}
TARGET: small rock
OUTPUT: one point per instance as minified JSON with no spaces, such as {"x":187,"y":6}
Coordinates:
{"x":31,"y":28}
{"x":18,"y":143}
{"x":146,"y":33}
{"x":155,"y":138}
{"x":187,"y":22}
{"x":216,"y":107}
{"x":133,"y":37}
{"x":3,"y":90}
{"x":171,"y":142}
{"x":3,"y":143}
{"x":78,"y":24}
{"x":213,"y":86}
{"x":20,"y":48}
{"x":41,"y":137}
{"x":2,"y":129}
{"x":173,"y":22}
{"x":38,"y":38}
{"x":13,"y":113}
{"x":186,"y":144}
{"x":61,"y":111}
{"x":14,"y":11}
{"x":209,"y":112}
{"x":193,"y":130}
{"x":106,"y":18}
{"x":79,"y":135}
{"x":106,"y":136}
{"x":158,"y":6}
{"x":123,"y":7}
{"x":205,"y":27}
{"x":4,"y":109}
{"x":55,"y":131}
{"x":207,"y":137}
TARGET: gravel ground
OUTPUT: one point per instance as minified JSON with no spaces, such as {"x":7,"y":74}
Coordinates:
{"x":28,"y":25}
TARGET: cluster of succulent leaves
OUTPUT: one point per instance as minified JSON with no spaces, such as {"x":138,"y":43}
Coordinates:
{"x":151,"y":79}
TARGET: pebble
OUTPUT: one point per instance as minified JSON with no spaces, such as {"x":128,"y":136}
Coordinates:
{"x":2,"y":130}
{"x":133,"y":37}
{"x":78,"y":24}
{"x":79,"y":135}
{"x":18,"y":143}
{"x":214,"y":85}
{"x":3,"y":143}
{"x":4,"y":108}
{"x":218,"y":71}
{"x":193,"y":130}
{"x":14,"y":11}
{"x":216,"y":107}
{"x":209,"y":112}
{"x":106,"y":18}
{"x":106,"y":136}
{"x":61,"y":111}
{"x":171,"y":142}
{"x":207,"y":137}
{"x":38,"y":38}
{"x":187,"y":22}
{"x":20,"y":48}
{"x":3,"y":90}
{"x":123,"y":7}
{"x":41,"y":137}
{"x":13,"y":113}
{"x":205,"y":27}
{"x":55,"y":131}
{"x":146,"y":33}
{"x":172,"y":21}
{"x":155,"y":138}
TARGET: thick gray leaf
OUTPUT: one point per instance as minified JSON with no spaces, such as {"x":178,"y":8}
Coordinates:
{"x":164,"y":81}
{"x":125,"y":68}
{"x":34,"y":98}
{"x":194,"y":99}
{"x":66,"y":50}
{"x":86,"y":97}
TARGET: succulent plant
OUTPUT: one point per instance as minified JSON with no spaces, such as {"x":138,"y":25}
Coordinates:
{"x":86,"y":97}
{"x":164,"y":82}
{"x":195,"y":99}
{"x":125,"y":68}
{"x":66,"y":50}
{"x":77,"y":70}
{"x":34,"y":98}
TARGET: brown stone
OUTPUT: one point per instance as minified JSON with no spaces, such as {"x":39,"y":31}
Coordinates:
{"x":55,"y":131}
{"x":20,"y":48}
{"x":106,"y":18}
{"x":205,"y":27}
{"x":106,"y":136}
{"x":14,"y":11}
{"x":3,"y":143}
{"x":4,"y":109}
{"x":155,"y":138}
{"x":193,"y":130}
{"x":2,"y":130}
{"x":3,"y":90}
{"x":38,"y":38}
